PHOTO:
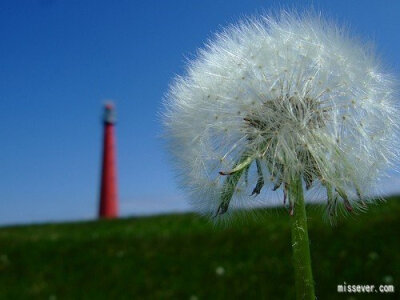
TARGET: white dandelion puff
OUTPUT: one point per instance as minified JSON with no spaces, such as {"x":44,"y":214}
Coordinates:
{"x":271,"y":99}
{"x":220,"y":271}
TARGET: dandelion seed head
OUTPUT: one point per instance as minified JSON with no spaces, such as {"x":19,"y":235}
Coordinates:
{"x":272,"y":98}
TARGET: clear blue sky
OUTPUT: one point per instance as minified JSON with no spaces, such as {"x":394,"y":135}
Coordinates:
{"x":59,"y":61}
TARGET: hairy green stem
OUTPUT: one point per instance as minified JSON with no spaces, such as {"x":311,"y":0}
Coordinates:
{"x":300,"y":244}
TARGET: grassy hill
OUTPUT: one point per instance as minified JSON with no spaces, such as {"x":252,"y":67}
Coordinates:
{"x":185,"y":257}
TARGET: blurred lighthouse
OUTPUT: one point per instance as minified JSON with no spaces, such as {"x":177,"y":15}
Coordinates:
{"x":108,"y":189}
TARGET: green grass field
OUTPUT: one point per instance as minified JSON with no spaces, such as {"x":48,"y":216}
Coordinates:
{"x":183,"y":256}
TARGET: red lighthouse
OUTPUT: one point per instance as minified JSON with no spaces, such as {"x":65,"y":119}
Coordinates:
{"x":108,"y":189}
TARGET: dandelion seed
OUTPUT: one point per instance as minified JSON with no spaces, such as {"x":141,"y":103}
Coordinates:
{"x":220,"y":271}
{"x":388,"y":279}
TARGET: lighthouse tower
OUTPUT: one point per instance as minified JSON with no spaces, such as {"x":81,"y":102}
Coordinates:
{"x":108,"y":189}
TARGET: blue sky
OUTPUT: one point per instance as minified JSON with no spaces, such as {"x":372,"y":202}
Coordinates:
{"x":60,"y":60}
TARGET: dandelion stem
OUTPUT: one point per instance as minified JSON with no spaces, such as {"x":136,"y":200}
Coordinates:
{"x":300,"y":244}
